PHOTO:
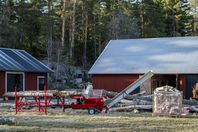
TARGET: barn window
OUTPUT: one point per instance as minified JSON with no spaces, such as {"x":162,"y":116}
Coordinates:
{"x":40,"y":82}
{"x":14,"y":79}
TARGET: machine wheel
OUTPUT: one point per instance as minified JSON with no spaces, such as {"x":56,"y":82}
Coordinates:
{"x":91,"y":111}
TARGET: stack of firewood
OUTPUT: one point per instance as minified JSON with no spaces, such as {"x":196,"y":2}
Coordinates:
{"x":167,"y":102}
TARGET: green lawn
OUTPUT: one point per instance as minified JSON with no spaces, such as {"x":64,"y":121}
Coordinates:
{"x":78,"y":120}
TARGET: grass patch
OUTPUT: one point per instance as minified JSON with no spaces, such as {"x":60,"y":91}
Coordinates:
{"x":79,"y":120}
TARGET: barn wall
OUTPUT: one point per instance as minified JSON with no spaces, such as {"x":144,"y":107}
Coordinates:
{"x":2,"y":83}
{"x":31,"y":80}
{"x":113,"y":82}
{"x":119,"y":82}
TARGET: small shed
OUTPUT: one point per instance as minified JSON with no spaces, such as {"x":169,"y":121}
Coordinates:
{"x":17,"y":67}
{"x":173,"y":61}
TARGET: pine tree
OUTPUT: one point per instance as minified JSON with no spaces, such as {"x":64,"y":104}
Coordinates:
{"x":153,"y":19}
{"x":178,"y":20}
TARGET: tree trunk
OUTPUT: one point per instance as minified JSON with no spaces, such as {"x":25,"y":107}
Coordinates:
{"x":30,"y":93}
{"x":61,"y":46}
{"x":72,"y":30}
{"x":49,"y":34}
{"x":85,"y":42}
{"x":95,"y":48}
{"x":131,"y":97}
{"x":49,"y":93}
{"x":142,"y":20}
{"x":132,"y":107}
{"x":63,"y":24}
{"x":174,"y":25}
{"x":99,"y":45}
{"x":193,"y":108}
{"x":58,"y":63}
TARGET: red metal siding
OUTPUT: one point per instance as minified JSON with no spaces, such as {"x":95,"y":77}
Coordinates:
{"x":113,"y":82}
{"x":31,"y":80}
{"x":2,"y":83}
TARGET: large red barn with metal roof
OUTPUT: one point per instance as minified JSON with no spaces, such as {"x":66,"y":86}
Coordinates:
{"x":173,"y":61}
{"x":17,"y":67}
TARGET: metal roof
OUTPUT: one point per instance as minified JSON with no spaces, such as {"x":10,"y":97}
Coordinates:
{"x":174,"y":55}
{"x":20,"y":61}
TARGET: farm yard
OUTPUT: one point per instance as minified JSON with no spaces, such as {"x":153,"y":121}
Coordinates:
{"x":122,"y":115}
{"x":98,"y":65}
{"x":79,"y":120}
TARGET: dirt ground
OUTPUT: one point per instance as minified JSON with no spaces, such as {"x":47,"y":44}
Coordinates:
{"x":79,"y":120}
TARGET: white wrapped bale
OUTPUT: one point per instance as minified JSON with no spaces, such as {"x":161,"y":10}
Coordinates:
{"x":167,"y":101}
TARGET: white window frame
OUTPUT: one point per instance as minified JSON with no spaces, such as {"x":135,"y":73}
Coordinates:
{"x":6,"y":74}
{"x":38,"y":77}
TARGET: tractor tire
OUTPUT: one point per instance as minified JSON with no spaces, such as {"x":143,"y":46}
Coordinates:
{"x":91,"y":111}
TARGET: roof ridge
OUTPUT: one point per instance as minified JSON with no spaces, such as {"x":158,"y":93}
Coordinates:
{"x":11,"y":49}
{"x":155,"y":38}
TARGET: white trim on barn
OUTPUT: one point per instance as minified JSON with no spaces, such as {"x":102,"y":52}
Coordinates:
{"x":38,"y":77}
{"x":14,"y":73}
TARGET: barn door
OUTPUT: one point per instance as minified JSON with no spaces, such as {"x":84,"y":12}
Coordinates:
{"x":190,"y":83}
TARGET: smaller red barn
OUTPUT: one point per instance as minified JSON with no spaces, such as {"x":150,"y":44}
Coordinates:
{"x":17,"y":67}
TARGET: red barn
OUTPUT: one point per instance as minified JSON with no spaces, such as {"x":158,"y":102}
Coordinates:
{"x":17,"y":67}
{"x":173,"y":61}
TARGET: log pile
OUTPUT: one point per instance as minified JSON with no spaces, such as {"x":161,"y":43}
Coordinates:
{"x":132,"y":107}
{"x":49,"y":93}
{"x":68,"y":93}
{"x":145,"y":102}
{"x":8,"y":120}
{"x":111,"y":94}
{"x":136,"y":101}
{"x":54,"y":93}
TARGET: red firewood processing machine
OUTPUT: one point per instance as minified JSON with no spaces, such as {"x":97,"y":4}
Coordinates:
{"x":95,"y":104}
